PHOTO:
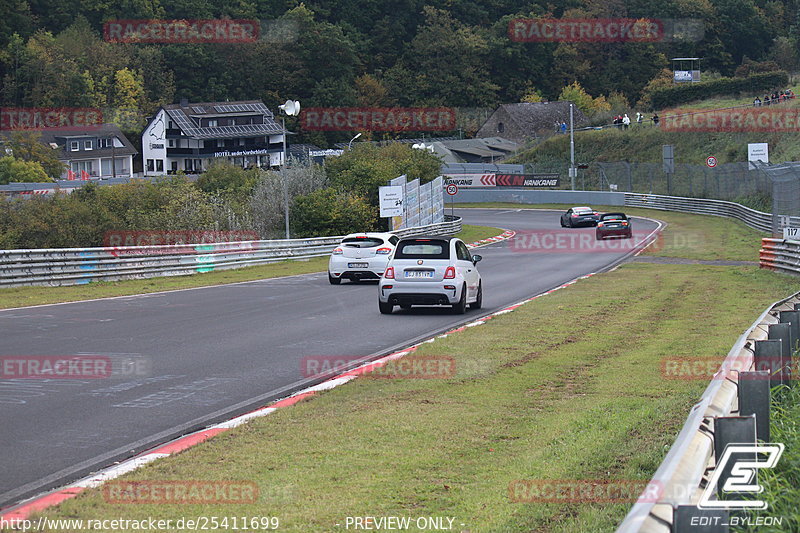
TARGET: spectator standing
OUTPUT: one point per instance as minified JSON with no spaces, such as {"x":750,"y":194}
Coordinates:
{"x":563,"y":127}
{"x":655,"y":119}
{"x":626,"y":121}
{"x":757,"y":102}
{"x":639,"y":118}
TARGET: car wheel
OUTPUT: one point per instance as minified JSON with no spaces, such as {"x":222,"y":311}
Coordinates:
{"x":461,"y":307}
{"x":561,"y":220}
{"x":334,"y":281}
{"x":629,"y":236}
{"x":479,"y":302}
{"x":569,"y":223}
{"x":386,"y":308}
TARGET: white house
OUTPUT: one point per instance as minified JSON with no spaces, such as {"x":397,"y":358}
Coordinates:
{"x":88,"y":152}
{"x":189,"y":136}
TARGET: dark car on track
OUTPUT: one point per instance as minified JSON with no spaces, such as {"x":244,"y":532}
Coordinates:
{"x":613,"y":225}
{"x":579,"y":216}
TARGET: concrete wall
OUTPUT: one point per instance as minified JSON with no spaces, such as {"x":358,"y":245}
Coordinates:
{"x":534,"y":196}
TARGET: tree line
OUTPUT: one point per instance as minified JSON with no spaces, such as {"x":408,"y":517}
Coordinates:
{"x":364,"y":53}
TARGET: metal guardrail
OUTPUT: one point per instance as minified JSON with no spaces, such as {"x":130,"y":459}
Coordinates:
{"x":75,"y":266}
{"x":702,"y":206}
{"x":690,"y":461}
{"x":780,"y":254}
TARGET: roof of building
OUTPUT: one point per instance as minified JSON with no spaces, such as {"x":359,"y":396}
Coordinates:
{"x":535,"y":116}
{"x":187,"y":116}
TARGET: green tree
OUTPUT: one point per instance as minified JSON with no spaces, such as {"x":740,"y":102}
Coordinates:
{"x":18,"y":170}
{"x":330,"y":212}
{"x":27,"y":146}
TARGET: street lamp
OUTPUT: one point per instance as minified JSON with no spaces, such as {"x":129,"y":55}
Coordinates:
{"x":350,"y":144}
{"x":290,"y":108}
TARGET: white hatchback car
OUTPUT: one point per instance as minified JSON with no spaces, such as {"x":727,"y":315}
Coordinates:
{"x":431,"y":271}
{"x":361,"y":256}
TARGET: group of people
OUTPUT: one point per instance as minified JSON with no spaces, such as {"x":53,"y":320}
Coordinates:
{"x":775,"y":98}
{"x":561,"y":127}
{"x":624,"y":121}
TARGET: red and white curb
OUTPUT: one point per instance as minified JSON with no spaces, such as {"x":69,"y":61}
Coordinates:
{"x":38,"y":503}
{"x":507,"y":234}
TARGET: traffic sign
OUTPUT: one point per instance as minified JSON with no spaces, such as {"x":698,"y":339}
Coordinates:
{"x":452,"y":189}
{"x":711,"y":161}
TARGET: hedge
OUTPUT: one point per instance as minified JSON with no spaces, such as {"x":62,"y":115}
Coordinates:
{"x":689,"y":92}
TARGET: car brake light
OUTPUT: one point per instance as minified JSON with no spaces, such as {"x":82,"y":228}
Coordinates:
{"x":389,"y":274}
{"x":337,"y":251}
{"x":574,"y":215}
{"x":450,"y":273}
{"x":624,"y":223}
{"x":383,"y":251}
{"x":599,"y":224}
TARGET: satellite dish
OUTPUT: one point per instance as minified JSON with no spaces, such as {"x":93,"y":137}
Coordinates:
{"x":291,"y":107}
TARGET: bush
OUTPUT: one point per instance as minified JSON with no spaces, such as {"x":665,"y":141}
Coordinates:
{"x":664,"y":97}
{"x":328,"y":212}
{"x":18,"y":170}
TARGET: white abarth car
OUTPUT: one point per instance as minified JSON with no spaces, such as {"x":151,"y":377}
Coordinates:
{"x":431,"y":271}
{"x":361,"y":256}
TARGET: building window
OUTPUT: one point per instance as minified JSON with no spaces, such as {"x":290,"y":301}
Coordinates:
{"x":212,"y":123}
{"x":241,"y":142}
{"x":74,"y":146}
{"x":187,"y":164}
{"x":150,"y":165}
{"x":171,"y":125}
{"x":87,"y":145}
{"x":159,"y":165}
{"x":220,"y":143}
{"x":500,"y":127}
{"x":171,"y":143}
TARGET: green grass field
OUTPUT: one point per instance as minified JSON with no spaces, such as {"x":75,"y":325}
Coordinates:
{"x":23,"y":296}
{"x":567,"y":387}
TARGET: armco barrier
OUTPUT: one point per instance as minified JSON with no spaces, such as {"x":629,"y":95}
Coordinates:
{"x":702,"y":206}
{"x":690,"y":460}
{"x":74,"y":266}
{"x":781,"y":255}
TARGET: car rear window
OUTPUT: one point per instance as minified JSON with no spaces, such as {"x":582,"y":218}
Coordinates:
{"x":614,"y":216}
{"x":359,"y":242}
{"x":423,"y":249}
{"x":583,"y":211}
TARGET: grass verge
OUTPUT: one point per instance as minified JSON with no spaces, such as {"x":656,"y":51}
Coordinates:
{"x":566,"y":387}
{"x":24,"y":296}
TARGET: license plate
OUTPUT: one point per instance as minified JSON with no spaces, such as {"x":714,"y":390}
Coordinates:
{"x":357,"y":265}
{"x":419,"y":273}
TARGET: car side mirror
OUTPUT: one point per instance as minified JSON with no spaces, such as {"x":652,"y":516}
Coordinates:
{"x":476,"y":258}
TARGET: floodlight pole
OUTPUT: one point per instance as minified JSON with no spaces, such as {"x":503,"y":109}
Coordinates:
{"x":572,"y":172}
{"x":285,"y":185}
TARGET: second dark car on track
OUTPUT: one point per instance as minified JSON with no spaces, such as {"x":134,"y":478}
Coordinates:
{"x":579,"y":216}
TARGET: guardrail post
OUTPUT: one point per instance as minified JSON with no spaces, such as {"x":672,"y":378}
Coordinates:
{"x":793,"y":318}
{"x":767,"y":356}
{"x":690,"y":519}
{"x":754,"y":400}
{"x":783,"y":332}
{"x":731,"y":430}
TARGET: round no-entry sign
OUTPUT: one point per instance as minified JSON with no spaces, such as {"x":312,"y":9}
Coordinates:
{"x":452,"y":189}
{"x":711,"y":161}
